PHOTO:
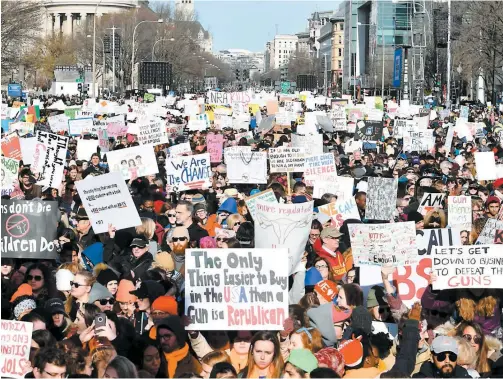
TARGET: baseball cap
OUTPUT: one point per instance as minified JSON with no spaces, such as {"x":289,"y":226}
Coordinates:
{"x":339,"y":314}
{"x":303,"y":359}
{"x":55,"y":306}
{"x":139,"y":242}
{"x":330,"y":233}
{"x":492,"y":199}
{"x":444,"y":343}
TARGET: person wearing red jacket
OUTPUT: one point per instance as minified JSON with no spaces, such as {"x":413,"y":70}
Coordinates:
{"x":327,"y":246}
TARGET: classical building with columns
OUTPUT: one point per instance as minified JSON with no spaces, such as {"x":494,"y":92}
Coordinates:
{"x":70,"y":16}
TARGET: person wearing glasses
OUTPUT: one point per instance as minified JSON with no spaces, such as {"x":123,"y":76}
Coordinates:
{"x":39,"y":277}
{"x":27,"y":184}
{"x":101,"y":297}
{"x":50,"y":363}
{"x":475,"y":336}
{"x":81,"y":288}
{"x":443,"y":365}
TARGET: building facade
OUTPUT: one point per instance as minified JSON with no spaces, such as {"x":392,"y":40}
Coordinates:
{"x":184,"y":9}
{"x":269,"y":56}
{"x":285,"y":46}
{"x":337,"y":21}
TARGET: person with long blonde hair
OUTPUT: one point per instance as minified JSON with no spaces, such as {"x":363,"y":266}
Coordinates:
{"x":473,"y":333}
{"x":264,"y":357}
{"x":81,"y":288}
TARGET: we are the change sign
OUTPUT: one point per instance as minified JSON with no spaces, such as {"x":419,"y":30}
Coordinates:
{"x":107,"y":200}
{"x":236,"y":289}
{"x":15,"y":337}
{"x":29,"y":229}
{"x":184,"y":173}
{"x":468,"y":266}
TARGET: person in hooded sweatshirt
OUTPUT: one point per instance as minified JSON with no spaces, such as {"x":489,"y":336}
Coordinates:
{"x":174,"y":349}
{"x":331,"y":321}
{"x":219,"y":220}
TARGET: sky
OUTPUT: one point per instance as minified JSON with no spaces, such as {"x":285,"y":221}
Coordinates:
{"x":242,"y":24}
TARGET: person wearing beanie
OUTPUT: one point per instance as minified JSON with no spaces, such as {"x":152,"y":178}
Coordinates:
{"x":313,"y":277}
{"x":417,"y":218}
{"x":198,"y":198}
{"x":109,"y":279}
{"x":377,"y":305}
{"x":23,"y":290}
{"x":331,"y":358}
{"x":360,"y":320}
{"x":22,"y":305}
{"x":326,"y":291}
{"x":125,"y":299}
{"x":174,"y":350}
{"x":330,"y":321}
{"x":300,"y":363}
{"x":92,"y":255}
{"x":101,"y":297}
{"x":493,"y":204}
{"x":360,"y":357}
{"x":164,"y":306}
{"x":64,"y":277}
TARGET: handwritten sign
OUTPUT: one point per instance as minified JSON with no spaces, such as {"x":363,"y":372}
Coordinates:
{"x":340,"y":211}
{"x":80,"y":125}
{"x":341,"y":186}
{"x":179,"y":150}
{"x":383,"y":244}
{"x":107,"y":201}
{"x":10,"y":168}
{"x":381,"y":198}
{"x":283,"y":226}
{"x":312,"y":143}
{"x":152,"y":133}
{"x":133,"y":162}
{"x":267,"y":196}
{"x":430,"y":201}
{"x":466,"y":266}
{"x":254,"y":299}
{"x":184,"y":173}
{"x":215,"y":144}
{"x":11,"y":147}
{"x":319,"y":167}
{"x":286,"y":159}
{"x":16,"y":343}
{"x":29,"y":229}
{"x":367,"y":130}
{"x":245,"y":166}
{"x":460,"y":212}
{"x":50,"y":159}
{"x":58,"y":123}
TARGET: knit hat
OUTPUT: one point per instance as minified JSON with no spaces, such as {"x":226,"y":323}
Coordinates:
{"x":198,"y":198}
{"x":313,"y":276}
{"x":207,"y":243}
{"x":165,"y":261}
{"x":303,"y":359}
{"x":63,"y":279}
{"x":414,"y":216}
{"x":92,"y":255}
{"x":98,"y":292}
{"x":492,"y":199}
{"x":498,"y":183}
{"x":106,"y":276}
{"x":361,"y":319}
{"x":23,"y":290}
{"x":27,"y":303}
{"x":174,"y":323}
{"x":166,"y":304}
{"x":327,"y":289}
{"x":376,"y":297}
{"x":331,"y":358}
{"x":199,"y":207}
{"x":352,"y":352}
{"x":123,"y":291}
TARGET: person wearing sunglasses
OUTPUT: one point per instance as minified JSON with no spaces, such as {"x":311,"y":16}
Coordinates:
{"x":101,"y":297}
{"x":444,"y":361}
{"x":473,"y":333}
{"x":42,"y":283}
{"x":179,"y":242}
{"x":81,"y":287}
{"x":140,"y":258}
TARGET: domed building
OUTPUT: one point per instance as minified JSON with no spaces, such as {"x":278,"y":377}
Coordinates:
{"x":69,"y":16}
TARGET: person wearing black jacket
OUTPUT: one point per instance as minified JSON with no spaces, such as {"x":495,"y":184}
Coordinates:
{"x":140,"y":259}
{"x":445,"y":355}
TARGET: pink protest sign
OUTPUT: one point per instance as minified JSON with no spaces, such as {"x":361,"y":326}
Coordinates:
{"x":215,"y":147}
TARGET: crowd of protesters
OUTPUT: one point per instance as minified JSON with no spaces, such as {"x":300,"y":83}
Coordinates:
{"x":135,"y":277}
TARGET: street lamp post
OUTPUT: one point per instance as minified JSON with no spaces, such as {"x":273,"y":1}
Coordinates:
{"x":104,"y":62}
{"x":155,"y":43}
{"x":160,"y":21}
{"x":94,"y":48}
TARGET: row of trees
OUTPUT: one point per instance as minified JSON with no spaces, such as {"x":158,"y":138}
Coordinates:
{"x":176,"y":40}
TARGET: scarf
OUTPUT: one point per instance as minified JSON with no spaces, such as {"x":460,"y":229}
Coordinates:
{"x":173,"y":358}
{"x":238,"y":361}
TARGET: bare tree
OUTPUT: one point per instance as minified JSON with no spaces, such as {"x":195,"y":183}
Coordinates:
{"x":20,"y":24}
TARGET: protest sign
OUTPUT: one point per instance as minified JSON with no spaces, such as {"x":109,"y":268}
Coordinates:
{"x":184,"y":173}
{"x":283,"y":226}
{"x":29,"y":229}
{"x":448,"y":140}
{"x":381,"y":198}
{"x":58,"y":123}
{"x":103,"y":141}
{"x":215,"y":144}
{"x":460,"y":212}
{"x":465,"y":266}
{"x":133,"y":162}
{"x":22,"y":128}
{"x":412,"y":280}
{"x":254,"y":299}
{"x":286,"y":159}
{"x":11,"y":147}
{"x":80,"y":125}
{"x":490,"y":231}
{"x":267,"y":196}
{"x":351,"y":146}
{"x":50,"y":159}
{"x":340,"y":186}
{"x":383,"y":244}
{"x":179,"y":150}
{"x":312,"y":143}
{"x":152,"y":133}
{"x":16,"y":344}
{"x":245,"y":166}
{"x":195,"y":125}
{"x":107,"y":201}
{"x":319,"y":167}
{"x":84,"y":114}
{"x":422,"y":140}
{"x":486,"y":165}
{"x":341,"y":210}
{"x":272,"y":107}
{"x":354,"y":114}
{"x":266,"y":124}
{"x":174,"y":130}
{"x":430,"y":201}
{"x":86,"y":148}
{"x":464,"y":110}
{"x":116,"y":129}
{"x":247,"y":135}
{"x":367,"y":130}
{"x":10,"y":168}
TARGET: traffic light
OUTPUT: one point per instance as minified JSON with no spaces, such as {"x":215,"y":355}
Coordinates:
{"x":79,"y":87}
{"x":237,"y":73}
{"x":86,"y":88}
